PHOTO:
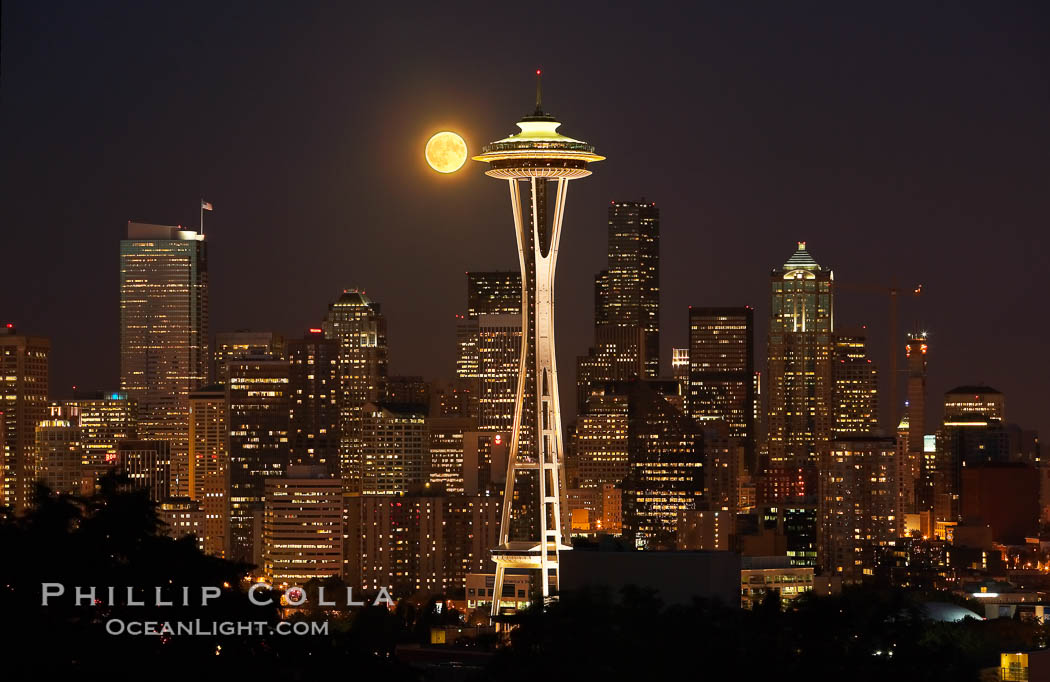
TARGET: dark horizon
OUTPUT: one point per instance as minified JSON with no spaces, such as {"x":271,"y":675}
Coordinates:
{"x":904,"y":144}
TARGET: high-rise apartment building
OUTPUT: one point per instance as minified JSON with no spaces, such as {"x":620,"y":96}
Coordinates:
{"x":855,"y":385}
{"x":164,"y":331}
{"x":209,"y":476}
{"x":722,"y":371}
{"x":357,"y":323}
{"x":313,"y":390}
{"x":242,"y":344}
{"x":858,"y":504}
{"x":23,"y":391}
{"x":257,"y":404}
{"x":411,"y":543}
{"x":394,"y":448}
{"x":59,"y":457}
{"x":303,"y":526}
{"x":799,"y":376}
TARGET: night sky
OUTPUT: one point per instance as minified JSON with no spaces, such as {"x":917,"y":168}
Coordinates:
{"x":904,"y":142}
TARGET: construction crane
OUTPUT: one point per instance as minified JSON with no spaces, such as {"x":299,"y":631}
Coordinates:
{"x":895,"y":294}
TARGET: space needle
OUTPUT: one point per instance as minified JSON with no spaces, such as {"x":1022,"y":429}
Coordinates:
{"x":532,"y":529}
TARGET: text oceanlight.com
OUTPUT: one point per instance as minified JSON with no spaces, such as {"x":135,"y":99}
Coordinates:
{"x":198,"y":627}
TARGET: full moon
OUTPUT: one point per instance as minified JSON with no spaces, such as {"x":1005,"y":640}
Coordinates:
{"x":446,"y":152}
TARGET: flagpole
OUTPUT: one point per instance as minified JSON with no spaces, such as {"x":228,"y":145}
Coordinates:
{"x":202,"y":216}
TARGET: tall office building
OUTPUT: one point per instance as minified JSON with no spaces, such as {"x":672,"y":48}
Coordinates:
{"x":257,"y":403}
{"x":855,"y":385}
{"x":393,"y":448}
{"x":973,"y":433}
{"x":303,"y":526}
{"x":630,"y":293}
{"x":244,"y":344}
{"x":164,"y":331}
{"x":59,"y":457}
{"x":799,"y":376}
{"x":626,"y":302}
{"x":915,"y":412}
{"x":357,"y":323}
{"x":665,"y":473}
{"x":313,"y":390}
{"x":858,"y":504}
{"x":209,"y":477}
{"x":722,"y":371}
{"x":23,"y":391}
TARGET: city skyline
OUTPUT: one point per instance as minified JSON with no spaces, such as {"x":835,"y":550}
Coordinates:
{"x":946,"y":141}
{"x":801,"y":328}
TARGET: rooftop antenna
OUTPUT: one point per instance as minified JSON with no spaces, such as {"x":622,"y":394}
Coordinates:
{"x":539,"y":92}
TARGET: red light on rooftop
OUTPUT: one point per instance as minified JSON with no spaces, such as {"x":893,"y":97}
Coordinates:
{"x":315,"y":330}
{"x":538,"y":72}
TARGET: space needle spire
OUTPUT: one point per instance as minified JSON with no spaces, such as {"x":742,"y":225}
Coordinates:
{"x":533,"y":531}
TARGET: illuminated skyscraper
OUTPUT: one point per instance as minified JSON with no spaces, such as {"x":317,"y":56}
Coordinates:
{"x":545,"y":161}
{"x":244,"y":344}
{"x":799,"y":377}
{"x":629,"y":292}
{"x":665,"y":475}
{"x":855,"y":386}
{"x":357,"y":323}
{"x":209,"y":477}
{"x":23,"y":391}
{"x":164,"y":330}
{"x":626,"y":302}
{"x":313,"y":389}
{"x":722,"y":371}
{"x":257,"y":402}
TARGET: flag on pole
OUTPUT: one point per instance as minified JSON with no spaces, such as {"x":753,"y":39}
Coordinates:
{"x":206,"y":206}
